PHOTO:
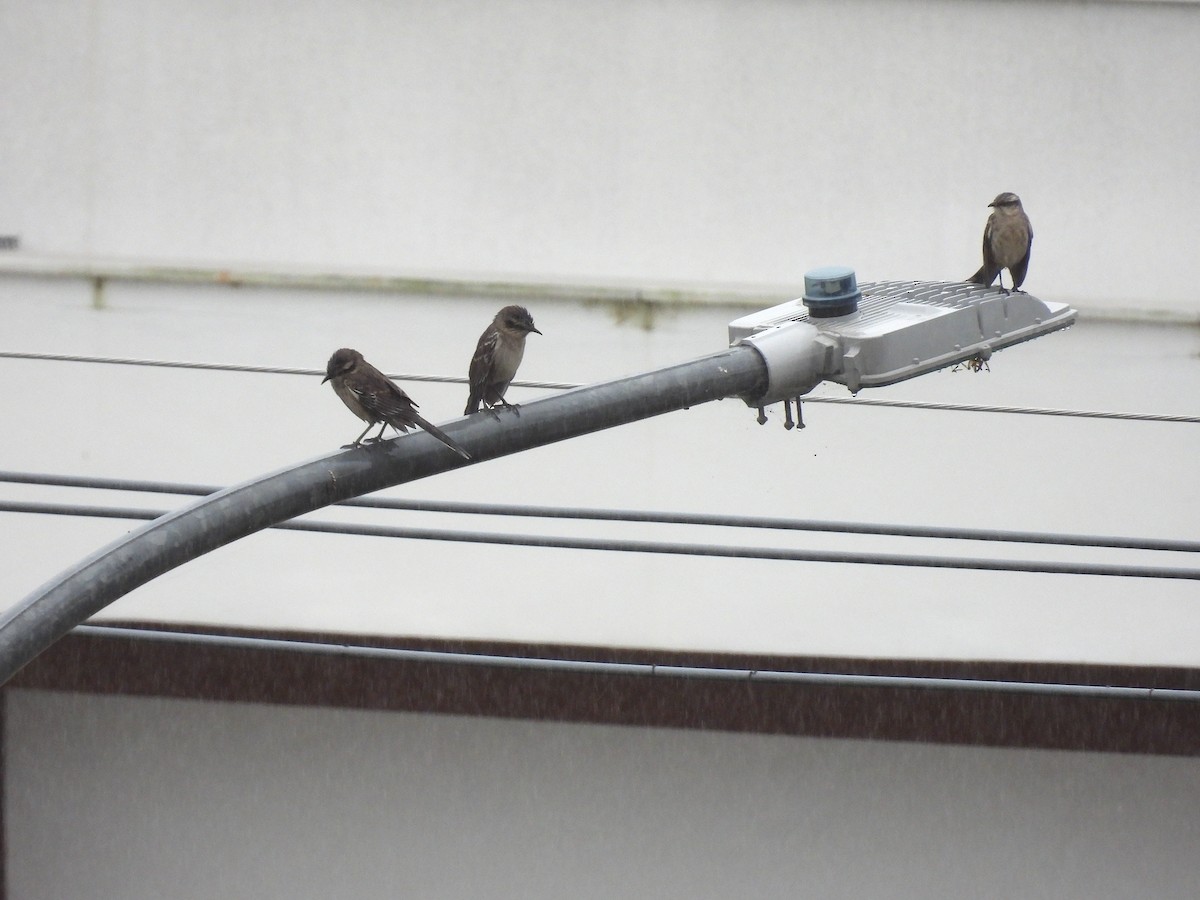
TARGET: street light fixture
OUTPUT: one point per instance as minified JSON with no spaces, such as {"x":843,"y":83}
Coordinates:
{"x":884,"y":332}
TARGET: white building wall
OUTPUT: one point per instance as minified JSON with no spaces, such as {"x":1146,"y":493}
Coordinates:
{"x":125,"y":798}
{"x":674,"y":141}
{"x":727,"y":140}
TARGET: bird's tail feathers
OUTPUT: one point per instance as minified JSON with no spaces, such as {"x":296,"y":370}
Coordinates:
{"x":984,"y":276}
{"x":441,"y":436}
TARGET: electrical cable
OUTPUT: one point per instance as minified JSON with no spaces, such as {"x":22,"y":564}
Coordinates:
{"x":644,"y":516}
{"x":601,"y":667}
{"x":659,"y":547}
{"x":259,"y":370}
{"x":562,"y":386}
{"x":1016,"y":410}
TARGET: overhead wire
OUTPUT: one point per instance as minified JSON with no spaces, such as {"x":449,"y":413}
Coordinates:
{"x":558,"y":385}
{"x":259,"y":370}
{"x":654,"y":547}
{"x":657,"y":670}
{"x":643,"y":516}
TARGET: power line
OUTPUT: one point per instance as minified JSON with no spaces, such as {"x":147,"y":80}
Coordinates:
{"x":656,"y":547}
{"x":260,"y":370}
{"x":1017,"y":410}
{"x":562,"y":386}
{"x":645,"y":516}
{"x":654,"y":670}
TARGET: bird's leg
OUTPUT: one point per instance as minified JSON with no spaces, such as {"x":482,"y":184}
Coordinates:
{"x":357,"y":442}
{"x":513,"y":406}
{"x":378,"y":437}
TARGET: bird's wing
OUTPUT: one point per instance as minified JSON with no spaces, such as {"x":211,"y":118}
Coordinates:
{"x":989,"y":255}
{"x":389,"y":404}
{"x":1018,"y":269}
{"x":989,"y":270}
{"x":481,"y":365}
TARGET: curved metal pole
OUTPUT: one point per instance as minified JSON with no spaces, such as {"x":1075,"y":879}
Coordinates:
{"x":218,"y":519}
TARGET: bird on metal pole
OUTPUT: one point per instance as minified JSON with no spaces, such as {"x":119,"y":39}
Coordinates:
{"x":375,"y":398}
{"x":497,"y":357}
{"x":1007,"y":239}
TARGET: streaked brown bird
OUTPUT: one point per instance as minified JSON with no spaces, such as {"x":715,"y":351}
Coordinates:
{"x":497,"y":356}
{"x":375,"y":398}
{"x":1007,"y":239}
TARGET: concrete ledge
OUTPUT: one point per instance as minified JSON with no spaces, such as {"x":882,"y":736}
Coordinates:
{"x":515,"y":287}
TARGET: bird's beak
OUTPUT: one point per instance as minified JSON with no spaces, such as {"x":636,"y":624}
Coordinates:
{"x":535,"y":331}
{"x":326,"y":378}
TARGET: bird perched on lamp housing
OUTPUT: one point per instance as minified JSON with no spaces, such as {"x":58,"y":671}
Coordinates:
{"x":1007,"y":239}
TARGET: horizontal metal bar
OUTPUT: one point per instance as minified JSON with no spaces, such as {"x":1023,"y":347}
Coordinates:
{"x":658,"y":547}
{"x":645,"y":516}
{"x":654,"y":670}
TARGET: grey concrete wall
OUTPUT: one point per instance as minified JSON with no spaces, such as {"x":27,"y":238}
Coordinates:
{"x":672,"y":141}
